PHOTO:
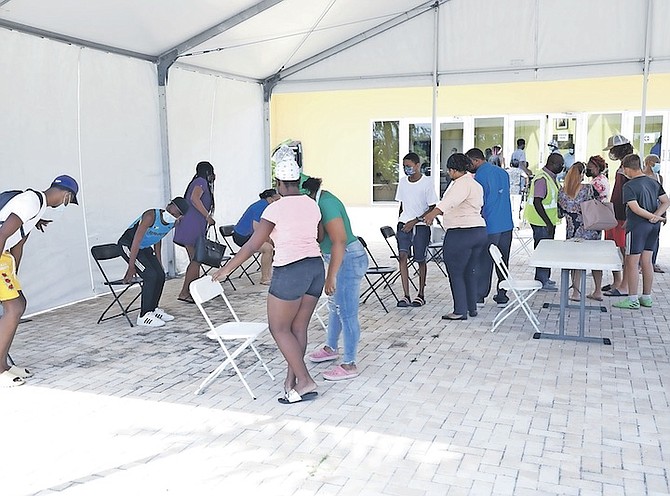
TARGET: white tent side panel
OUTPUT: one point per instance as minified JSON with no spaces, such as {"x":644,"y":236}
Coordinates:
{"x":91,"y":115}
{"x":219,"y":120}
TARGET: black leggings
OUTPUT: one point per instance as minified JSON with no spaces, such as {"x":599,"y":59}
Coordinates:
{"x":152,"y":274}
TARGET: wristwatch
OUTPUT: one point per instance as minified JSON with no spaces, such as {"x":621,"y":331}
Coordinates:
{"x":420,"y":219}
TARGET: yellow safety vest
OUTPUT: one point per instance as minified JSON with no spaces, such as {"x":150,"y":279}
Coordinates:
{"x":549,"y":202}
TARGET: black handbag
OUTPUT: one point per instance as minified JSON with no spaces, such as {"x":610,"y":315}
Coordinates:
{"x":209,"y":251}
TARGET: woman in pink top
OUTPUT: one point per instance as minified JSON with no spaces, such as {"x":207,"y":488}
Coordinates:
{"x":466,"y":235}
{"x":298,"y":276}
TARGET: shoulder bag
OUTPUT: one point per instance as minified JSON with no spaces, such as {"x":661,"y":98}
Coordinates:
{"x":597,"y":215}
{"x":209,"y":251}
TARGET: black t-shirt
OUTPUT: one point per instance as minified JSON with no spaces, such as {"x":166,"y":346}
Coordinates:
{"x":646,"y":191}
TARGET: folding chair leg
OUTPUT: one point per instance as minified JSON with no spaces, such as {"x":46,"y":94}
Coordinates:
{"x":124,"y":310}
{"x":262,"y":361}
{"x":231,"y":360}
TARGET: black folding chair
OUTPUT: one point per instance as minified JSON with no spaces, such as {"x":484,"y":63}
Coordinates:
{"x":227,"y":233}
{"x":111,"y":251}
{"x":388,"y":232}
{"x":435,"y":248}
{"x":382,"y":274}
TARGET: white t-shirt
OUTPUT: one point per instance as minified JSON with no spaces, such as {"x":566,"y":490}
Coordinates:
{"x":296,"y":220}
{"x":26,"y":206}
{"x":518,"y":155}
{"x":415,"y":197}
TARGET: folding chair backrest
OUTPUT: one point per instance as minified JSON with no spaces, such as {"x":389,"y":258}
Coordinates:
{"x":365,"y":245}
{"x":498,"y":260}
{"x":105,"y":252}
{"x":227,"y":233}
{"x":206,"y":289}
{"x":388,"y":232}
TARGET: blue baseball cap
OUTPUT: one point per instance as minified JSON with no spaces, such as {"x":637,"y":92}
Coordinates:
{"x":67,"y":183}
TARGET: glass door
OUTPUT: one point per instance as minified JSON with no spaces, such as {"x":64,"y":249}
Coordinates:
{"x":451,"y":141}
{"x":531,"y":129}
{"x":653,"y":129}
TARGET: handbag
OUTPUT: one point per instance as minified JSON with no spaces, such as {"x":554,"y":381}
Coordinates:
{"x":597,"y":215}
{"x":209,"y":251}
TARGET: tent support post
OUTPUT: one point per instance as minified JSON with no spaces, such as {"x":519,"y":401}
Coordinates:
{"x":163,"y":67}
{"x":268,"y":86}
{"x":645,"y":80}
{"x":435,"y":138}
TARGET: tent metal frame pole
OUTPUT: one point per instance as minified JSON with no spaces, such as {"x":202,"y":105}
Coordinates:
{"x":221,"y":27}
{"x":645,"y":79}
{"x":69,"y":40}
{"x":165,"y":169}
{"x":435,"y":166}
{"x":4,"y":2}
{"x":361,"y":37}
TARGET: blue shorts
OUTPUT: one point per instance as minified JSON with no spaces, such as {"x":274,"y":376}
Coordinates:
{"x":293,"y":281}
{"x":643,"y":237}
{"x":414,"y":242}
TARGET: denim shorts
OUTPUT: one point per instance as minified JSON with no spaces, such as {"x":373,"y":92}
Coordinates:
{"x":414,"y":242}
{"x":292,"y":281}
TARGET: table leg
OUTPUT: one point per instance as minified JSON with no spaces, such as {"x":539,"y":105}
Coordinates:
{"x":582,"y":302}
{"x":565,"y":286}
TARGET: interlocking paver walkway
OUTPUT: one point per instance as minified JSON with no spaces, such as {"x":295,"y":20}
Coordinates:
{"x":441,"y":408}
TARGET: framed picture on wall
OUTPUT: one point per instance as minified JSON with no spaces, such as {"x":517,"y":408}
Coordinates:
{"x":561,"y":124}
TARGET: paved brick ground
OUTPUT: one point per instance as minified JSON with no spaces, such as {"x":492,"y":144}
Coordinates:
{"x":441,"y":408}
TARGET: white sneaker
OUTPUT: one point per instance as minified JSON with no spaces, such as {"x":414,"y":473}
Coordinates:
{"x":149,"y":319}
{"x":163,"y":315}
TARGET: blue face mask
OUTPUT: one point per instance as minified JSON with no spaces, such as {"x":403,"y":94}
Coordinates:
{"x":656,"y":167}
{"x":409,"y":171}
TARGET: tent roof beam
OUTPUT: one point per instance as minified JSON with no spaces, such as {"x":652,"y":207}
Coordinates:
{"x":359,"y":38}
{"x":62,"y":38}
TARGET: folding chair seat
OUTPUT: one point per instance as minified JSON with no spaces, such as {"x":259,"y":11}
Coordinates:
{"x":106,"y":253}
{"x":382,"y":278}
{"x":389,"y":233}
{"x":521,"y":290}
{"x":227,"y":233}
{"x":205,"y":289}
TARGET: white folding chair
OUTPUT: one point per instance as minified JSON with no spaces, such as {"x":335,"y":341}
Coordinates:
{"x":204,"y":290}
{"x":524,"y":241}
{"x":320,"y":305}
{"x":521,"y":290}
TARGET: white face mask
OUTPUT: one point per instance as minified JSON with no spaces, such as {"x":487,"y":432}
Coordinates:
{"x":612,"y":156}
{"x":55,"y":213}
{"x":168,"y":218}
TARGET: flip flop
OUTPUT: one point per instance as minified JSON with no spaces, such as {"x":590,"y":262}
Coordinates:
{"x":614,"y":292}
{"x":404,"y":302}
{"x":293,"y":397}
{"x":7,"y":380}
{"x":607,"y":287}
{"x":187,"y":300}
{"x":591,"y":297}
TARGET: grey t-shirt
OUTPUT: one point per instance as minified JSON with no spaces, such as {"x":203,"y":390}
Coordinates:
{"x":646,"y":191}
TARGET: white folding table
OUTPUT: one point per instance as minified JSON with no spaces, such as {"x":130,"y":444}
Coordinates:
{"x":575,"y":254}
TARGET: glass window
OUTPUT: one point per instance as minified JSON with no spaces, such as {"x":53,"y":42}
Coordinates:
{"x":385,"y":159}
{"x":652,"y":130}
{"x":601,"y":127}
{"x":419,"y":143}
{"x":488,"y":132}
{"x":451,"y":141}
{"x":530,"y":131}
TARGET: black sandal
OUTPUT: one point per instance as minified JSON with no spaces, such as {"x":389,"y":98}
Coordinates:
{"x":418,"y":301}
{"x":404,"y":302}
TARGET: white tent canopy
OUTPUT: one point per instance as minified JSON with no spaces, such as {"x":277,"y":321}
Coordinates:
{"x":84,"y":89}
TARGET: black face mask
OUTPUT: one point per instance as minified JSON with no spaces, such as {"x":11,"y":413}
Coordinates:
{"x":588,"y":173}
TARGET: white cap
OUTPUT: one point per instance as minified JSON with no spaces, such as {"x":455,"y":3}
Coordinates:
{"x":287,"y":170}
{"x":553,"y":143}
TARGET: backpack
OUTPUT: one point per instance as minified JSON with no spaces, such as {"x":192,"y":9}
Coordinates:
{"x":5,"y":196}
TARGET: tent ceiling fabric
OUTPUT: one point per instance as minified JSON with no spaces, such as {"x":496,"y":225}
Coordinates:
{"x":479,"y":40}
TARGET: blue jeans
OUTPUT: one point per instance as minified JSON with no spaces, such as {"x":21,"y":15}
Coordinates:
{"x":542,"y":274}
{"x":343,"y":305}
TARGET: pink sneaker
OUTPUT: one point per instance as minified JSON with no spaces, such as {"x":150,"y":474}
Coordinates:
{"x":339,"y":373}
{"x":322,"y":355}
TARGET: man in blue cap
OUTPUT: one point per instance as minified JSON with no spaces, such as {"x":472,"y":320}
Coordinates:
{"x":20,"y":213}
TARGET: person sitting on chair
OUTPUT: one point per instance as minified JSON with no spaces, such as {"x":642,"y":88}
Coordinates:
{"x":246,"y":226}
{"x":141,"y":247}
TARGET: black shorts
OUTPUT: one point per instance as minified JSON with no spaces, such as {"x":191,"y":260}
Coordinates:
{"x":642,"y":237}
{"x":293,"y":281}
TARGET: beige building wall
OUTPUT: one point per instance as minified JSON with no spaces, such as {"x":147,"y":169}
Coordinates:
{"x":335,"y":126}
